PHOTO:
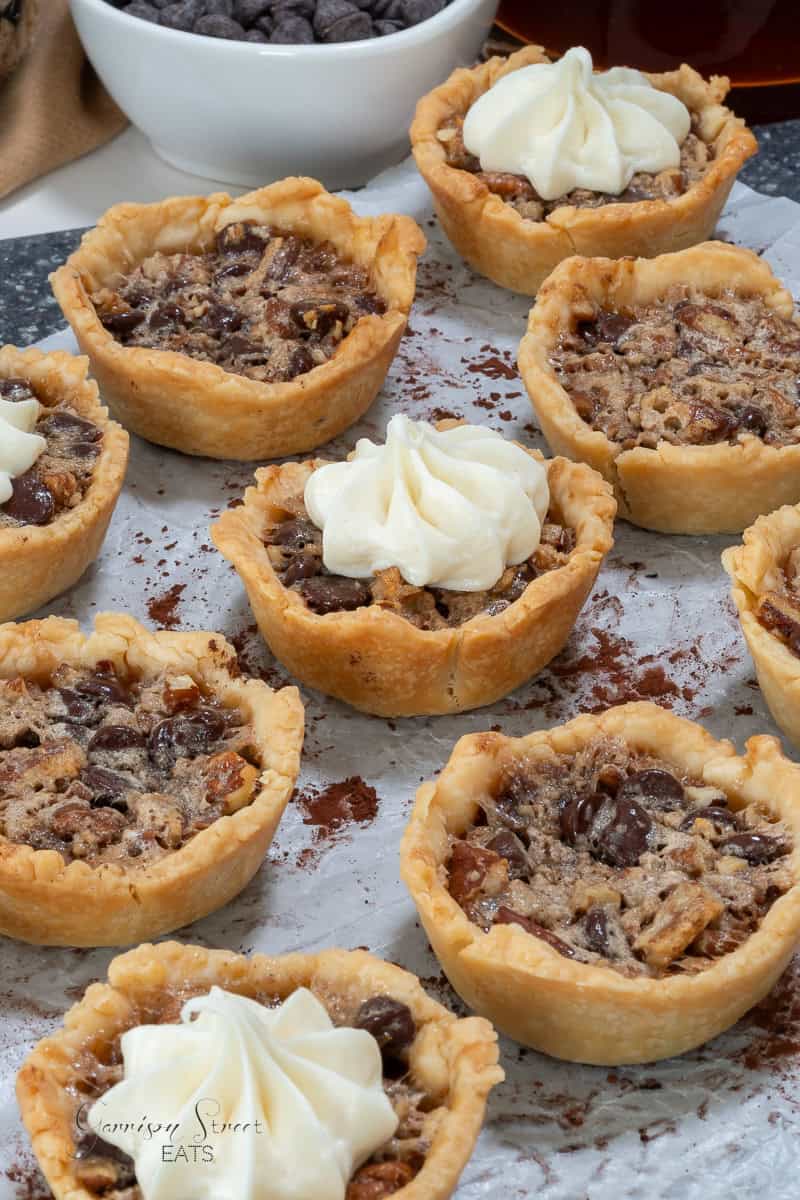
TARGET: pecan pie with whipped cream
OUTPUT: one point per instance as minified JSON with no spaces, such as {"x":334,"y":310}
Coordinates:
{"x":677,"y":379}
{"x":530,"y":161}
{"x":433,"y":573}
{"x":62,"y":464}
{"x":415,"y":1079}
{"x":137,"y":772}
{"x":246,"y":329}
{"x":618,"y":889}
{"x":765,"y":579}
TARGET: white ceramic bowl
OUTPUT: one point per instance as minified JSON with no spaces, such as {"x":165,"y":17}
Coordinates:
{"x":249,"y":114}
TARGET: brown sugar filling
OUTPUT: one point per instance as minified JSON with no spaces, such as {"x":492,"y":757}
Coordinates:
{"x":61,"y":476}
{"x":113,"y":770}
{"x":519,"y":192}
{"x":779,"y":609}
{"x":295,"y":549}
{"x":693,"y":369}
{"x":108,"y":1172}
{"x":616,"y":860}
{"x":264,"y":303}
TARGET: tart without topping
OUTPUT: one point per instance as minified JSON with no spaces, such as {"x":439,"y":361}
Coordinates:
{"x":140,"y":773}
{"x":618,"y":889}
{"x":53,"y":523}
{"x":438,"y":1070}
{"x":390,"y":647}
{"x":244,"y":329}
{"x":676,"y":378}
{"x":765,"y":579}
{"x":504,"y":229}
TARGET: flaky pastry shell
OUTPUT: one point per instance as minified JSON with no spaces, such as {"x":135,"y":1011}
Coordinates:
{"x":719,"y":488}
{"x":47,"y":901}
{"x":755,"y":568}
{"x":198,"y":407}
{"x":574,"y":1010}
{"x":378,"y":661}
{"x":38,"y":562}
{"x":519,"y":254}
{"x":454,"y":1060}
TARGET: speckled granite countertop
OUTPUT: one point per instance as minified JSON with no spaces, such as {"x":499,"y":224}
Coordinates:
{"x":29,"y":312}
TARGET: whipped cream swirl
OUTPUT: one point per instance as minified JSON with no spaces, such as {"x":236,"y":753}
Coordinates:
{"x":19,"y":447}
{"x":564,"y":127}
{"x":450,"y":508}
{"x":243,"y":1102}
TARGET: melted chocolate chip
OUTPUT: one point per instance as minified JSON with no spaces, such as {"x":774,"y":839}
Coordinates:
{"x":105,"y":786}
{"x":186,"y":736}
{"x":595,"y":928}
{"x":752,"y":420}
{"x":511,"y":849}
{"x":506,"y":916}
{"x":507,"y":804}
{"x":577,"y":814}
{"x":719,"y":816}
{"x":166,"y":314}
{"x":238,"y":239}
{"x":293,"y":535}
{"x":117,"y":737}
{"x":318,"y":317}
{"x":123,"y":321}
{"x":390,"y":1022}
{"x":607,"y":327}
{"x":656,"y":789}
{"x":80,"y":710}
{"x":32,"y":502}
{"x":15,"y":390}
{"x":104,"y":687}
{"x":70,"y":427}
{"x":305,"y":566}
{"x":755,"y":848}
{"x":300,"y":362}
{"x":622,"y":839}
{"x":223,"y":318}
{"x":334,"y":593}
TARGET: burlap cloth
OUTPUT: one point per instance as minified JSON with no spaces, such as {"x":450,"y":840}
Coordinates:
{"x":53,"y":107}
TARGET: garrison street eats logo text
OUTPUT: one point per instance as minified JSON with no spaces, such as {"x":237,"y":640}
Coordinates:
{"x":186,"y":1141}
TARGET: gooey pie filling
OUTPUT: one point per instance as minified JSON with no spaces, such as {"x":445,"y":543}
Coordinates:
{"x":62,"y":474}
{"x":615,"y":859}
{"x":106,"y":1171}
{"x":693,"y":369}
{"x":263,"y":303}
{"x":108,"y":769}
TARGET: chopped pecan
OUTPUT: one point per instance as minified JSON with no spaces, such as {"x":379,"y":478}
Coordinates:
{"x":180,"y":691}
{"x":36,"y":768}
{"x":473,"y":870}
{"x":781,"y":615}
{"x":62,"y":485}
{"x":379,"y":1180}
{"x":681,"y":918}
{"x":507,"y":186}
{"x":230,"y":778}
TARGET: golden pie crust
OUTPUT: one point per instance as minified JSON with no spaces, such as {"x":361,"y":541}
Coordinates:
{"x":519,"y":254}
{"x":454,"y":1060}
{"x":755,"y":568}
{"x":38,"y":562}
{"x":719,"y":488}
{"x":378,"y":661}
{"x":46,"y":901}
{"x":574,"y":1010}
{"x":198,"y":407}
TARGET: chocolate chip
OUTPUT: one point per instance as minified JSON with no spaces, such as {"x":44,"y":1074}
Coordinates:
{"x":755,"y":848}
{"x":185,"y":736}
{"x":166,"y":314}
{"x":319,"y":316}
{"x":607,"y":328}
{"x":752,"y":420}
{"x":720,"y":817}
{"x":239,"y":238}
{"x":390,"y":1022}
{"x":15,"y":390}
{"x":577,"y":814}
{"x":32,"y":502}
{"x":247,"y":12}
{"x":181,"y":16}
{"x":80,"y":710}
{"x":300,"y":362}
{"x":104,"y":785}
{"x":256,"y":35}
{"x":305,"y":566}
{"x":283,"y":259}
{"x":122,"y":322}
{"x":105,"y":687}
{"x":334,"y":593}
{"x":595,"y":928}
{"x":223,"y":318}
{"x":385,"y":28}
{"x":117,"y":737}
{"x":370,"y":304}
{"x":506,"y":916}
{"x":657,"y":789}
{"x":218,"y":26}
{"x":70,"y":426}
{"x":292,"y":31}
{"x":507,"y":802}
{"x":90,"y":1145}
{"x":622,"y":839}
{"x":144,"y":11}
{"x":233,"y":270}
{"x":412,"y":12}
{"x":293,"y":535}
{"x":511,"y":849}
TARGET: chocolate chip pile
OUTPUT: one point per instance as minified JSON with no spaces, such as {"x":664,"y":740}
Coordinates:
{"x":285,"y":22}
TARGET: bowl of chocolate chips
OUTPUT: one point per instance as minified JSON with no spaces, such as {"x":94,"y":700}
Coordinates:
{"x":249,"y":91}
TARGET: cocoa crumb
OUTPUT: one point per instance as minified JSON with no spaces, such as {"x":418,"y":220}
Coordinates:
{"x":163,"y":610}
{"x":338,"y":804}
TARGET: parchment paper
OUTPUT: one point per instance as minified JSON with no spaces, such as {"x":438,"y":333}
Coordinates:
{"x":660,"y":625}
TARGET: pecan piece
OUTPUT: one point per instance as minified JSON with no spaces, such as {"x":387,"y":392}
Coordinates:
{"x":474,"y":870}
{"x":781,"y":616}
{"x":507,"y":186}
{"x":379,"y":1180}
{"x":62,"y":486}
{"x":681,"y":918}
{"x":507,"y":916}
{"x":230,"y":778}
{"x":180,"y":691}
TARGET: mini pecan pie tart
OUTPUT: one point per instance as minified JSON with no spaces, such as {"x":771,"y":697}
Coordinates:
{"x":62,"y":465}
{"x":349,"y":622}
{"x":676,"y":378}
{"x":428,"y":1071}
{"x":505,"y":228}
{"x":765,"y":577}
{"x":142,"y":778}
{"x":242,"y":329}
{"x":618,"y":889}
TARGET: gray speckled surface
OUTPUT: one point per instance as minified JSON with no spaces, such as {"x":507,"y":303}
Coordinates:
{"x":29,"y":312}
